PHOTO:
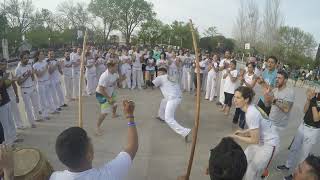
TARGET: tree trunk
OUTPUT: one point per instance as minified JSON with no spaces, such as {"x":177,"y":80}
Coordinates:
{"x":127,"y":39}
{"x":104,"y":30}
{"x":109,"y":30}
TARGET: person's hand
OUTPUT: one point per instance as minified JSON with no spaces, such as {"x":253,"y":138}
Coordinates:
{"x":6,"y":158}
{"x":310,"y":94}
{"x":128,"y":107}
{"x":241,"y":78}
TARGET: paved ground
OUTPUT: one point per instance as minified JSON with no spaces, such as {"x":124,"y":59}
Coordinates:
{"x":162,"y":154}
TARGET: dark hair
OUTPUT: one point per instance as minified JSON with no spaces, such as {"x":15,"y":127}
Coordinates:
{"x":162,"y":69}
{"x":227,"y":161}
{"x":283,"y":73}
{"x":36,"y":56}
{"x":72,"y":146}
{"x":246,"y":92}
{"x":164,"y":55}
{"x":314,"y":162}
{"x":234,"y":62}
{"x":111,"y":64}
{"x":274,"y":58}
{"x":252,"y":64}
{"x":23,"y":53}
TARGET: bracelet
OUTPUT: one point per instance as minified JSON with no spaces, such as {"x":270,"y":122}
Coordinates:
{"x":130,"y":124}
{"x":130,"y":117}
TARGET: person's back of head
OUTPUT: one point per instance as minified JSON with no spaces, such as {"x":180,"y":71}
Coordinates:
{"x":227,"y":161}
{"x":74,"y":149}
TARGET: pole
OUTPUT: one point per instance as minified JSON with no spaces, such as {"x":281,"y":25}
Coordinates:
{"x":80,"y":121}
{"x":197,"y":114}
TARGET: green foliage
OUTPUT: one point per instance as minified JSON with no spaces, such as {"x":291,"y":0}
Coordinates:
{"x":217,"y":43}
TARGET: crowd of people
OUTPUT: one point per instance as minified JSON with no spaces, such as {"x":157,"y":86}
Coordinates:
{"x":261,"y":124}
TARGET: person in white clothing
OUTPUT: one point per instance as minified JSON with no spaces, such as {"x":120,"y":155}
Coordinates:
{"x":67,"y":76}
{"x":207,"y":60}
{"x":172,"y":98}
{"x":223,"y":66}
{"x":14,"y":97}
{"x":163,"y":62}
{"x":247,"y":79}
{"x":211,"y":79}
{"x":75,"y":150}
{"x":174,"y":64}
{"x":126,"y":69}
{"x":8,"y":130}
{"x":25,"y":79}
{"x":186,"y":72}
{"x":137,"y":70}
{"x":307,"y":135}
{"x":55,"y":72}
{"x":150,"y":70}
{"x":91,"y":74}
{"x":202,"y":64}
{"x":106,"y":95}
{"x":75,"y":60}
{"x":231,"y":77}
{"x":100,"y":64}
{"x":261,"y":135}
{"x":46,"y":93}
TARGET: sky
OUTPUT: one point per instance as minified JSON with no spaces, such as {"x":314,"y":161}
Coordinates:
{"x":223,"y":13}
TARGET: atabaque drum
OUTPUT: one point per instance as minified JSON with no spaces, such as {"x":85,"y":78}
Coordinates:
{"x":30,"y":164}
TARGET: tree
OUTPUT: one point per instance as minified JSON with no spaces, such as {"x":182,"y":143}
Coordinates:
{"x":216,"y":44}
{"x":151,"y":31}
{"x":295,"y":45}
{"x":317,"y":61}
{"x":19,"y":14}
{"x":239,"y":29}
{"x":76,"y":14}
{"x":106,"y":10}
{"x":211,"y":31}
{"x":131,"y":14}
{"x":3,"y":25}
{"x":272,"y":21}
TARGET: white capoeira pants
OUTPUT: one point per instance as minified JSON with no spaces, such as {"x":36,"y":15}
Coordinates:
{"x":10,"y":134}
{"x":204,"y":80}
{"x":136,"y":78}
{"x":68,"y":86}
{"x":167,"y":110}
{"x":305,"y":138}
{"x":91,"y":83}
{"x":46,"y":98}
{"x":76,"y":84}
{"x":31,"y":104}
{"x":211,"y":85}
{"x":58,"y":97}
{"x":258,"y":157}
{"x":127,"y":82}
{"x":221,"y":90}
{"x":14,"y":108}
{"x":186,"y":79}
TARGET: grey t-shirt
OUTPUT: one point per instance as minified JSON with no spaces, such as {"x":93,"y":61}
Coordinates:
{"x":280,"y":118}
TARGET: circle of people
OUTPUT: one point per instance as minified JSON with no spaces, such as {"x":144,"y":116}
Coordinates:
{"x":260,"y":125}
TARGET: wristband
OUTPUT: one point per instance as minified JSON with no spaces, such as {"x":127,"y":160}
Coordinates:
{"x":130,"y":124}
{"x":130,"y":117}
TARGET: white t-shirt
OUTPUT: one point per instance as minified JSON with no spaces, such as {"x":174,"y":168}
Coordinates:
{"x":169,"y":56}
{"x":92,"y":69}
{"x":125,"y":68}
{"x":258,"y":119}
{"x":136,"y":65}
{"x":67,"y":68}
{"x":224,"y":61}
{"x":117,"y":169}
{"x":109,"y":81}
{"x":40,"y":66}
{"x":55,"y":75}
{"x":125,"y":59}
{"x":21,"y":71}
{"x":229,"y":86}
{"x":76,"y":59}
{"x":248,"y":78}
{"x":169,"y":89}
